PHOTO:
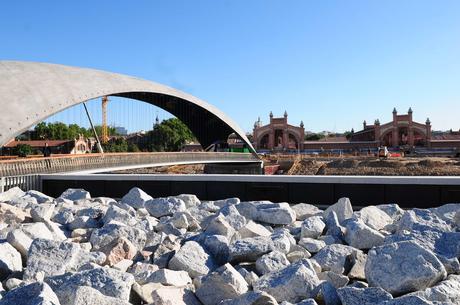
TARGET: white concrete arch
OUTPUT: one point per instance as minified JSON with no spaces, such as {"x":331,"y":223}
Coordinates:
{"x":31,"y":92}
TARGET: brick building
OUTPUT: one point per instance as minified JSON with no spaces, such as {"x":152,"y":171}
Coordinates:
{"x":401,"y":132}
{"x":278,"y":134}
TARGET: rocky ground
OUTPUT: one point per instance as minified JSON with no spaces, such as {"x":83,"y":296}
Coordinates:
{"x":78,"y":250}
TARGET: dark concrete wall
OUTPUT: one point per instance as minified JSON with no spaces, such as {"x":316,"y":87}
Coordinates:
{"x":406,"y":195}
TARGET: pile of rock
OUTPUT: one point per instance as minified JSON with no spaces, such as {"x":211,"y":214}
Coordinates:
{"x":76,"y":250}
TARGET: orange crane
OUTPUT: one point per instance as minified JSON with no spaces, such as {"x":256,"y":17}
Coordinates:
{"x":105,"y":131}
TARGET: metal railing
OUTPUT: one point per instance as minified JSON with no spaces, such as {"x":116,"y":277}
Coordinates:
{"x":25,"y":182}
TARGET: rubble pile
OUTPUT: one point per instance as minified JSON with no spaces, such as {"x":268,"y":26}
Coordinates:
{"x":79,"y":250}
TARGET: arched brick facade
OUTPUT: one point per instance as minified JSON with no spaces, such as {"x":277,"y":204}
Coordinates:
{"x":278,"y":134}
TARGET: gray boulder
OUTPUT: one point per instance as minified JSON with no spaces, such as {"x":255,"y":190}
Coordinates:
{"x":252,"y":298}
{"x":249,"y":249}
{"x":359,"y":235}
{"x":192,"y":258}
{"x":166,"y":206}
{"x":108,"y":281}
{"x":342,"y":209}
{"x":10,"y":260}
{"x":136,"y":198}
{"x":33,"y":294}
{"x":363,"y":296}
{"x":51,"y":258}
{"x":304,"y":210}
{"x":283,"y":241}
{"x":312,"y":227}
{"x":112,"y":231}
{"x":84,"y":295}
{"x":293,"y":283}
{"x":312,"y":245}
{"x":403,"y":267}
{"x":40,"y":197}
{"x":168,"y":295}
{"x":267,"y":212}
{"x":222,"y":284}
{"x":41,"y":212}
{"x":337,"y":258}
{"x":75,"y":194}
{"x":446,"y":292}
{"x":270,"y":262}
{"x":374,"y":217}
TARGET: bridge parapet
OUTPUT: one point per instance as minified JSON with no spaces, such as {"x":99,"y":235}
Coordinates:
{"x":71,"y":163}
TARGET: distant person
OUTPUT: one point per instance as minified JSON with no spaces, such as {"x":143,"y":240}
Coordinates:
{"x":46,"y":151}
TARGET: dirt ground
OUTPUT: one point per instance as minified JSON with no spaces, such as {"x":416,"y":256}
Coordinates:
{"x":371,"y":166}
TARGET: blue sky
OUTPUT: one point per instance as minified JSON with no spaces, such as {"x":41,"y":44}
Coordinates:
{"x":331,"y":64}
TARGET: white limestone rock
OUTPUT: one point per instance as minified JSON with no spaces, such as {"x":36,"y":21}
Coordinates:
{"x":359,"y":264}
{"x":222,"y":284}
{"x":19,"y":240}
{"x":190,"y":200}
{"x":374,"y":217}
{"x":55,"y":258}
{"x":363,"y":296}
{"x":108,"y":281}
{"x":249,"y":249}
{"x":312,"y":227}
{"x":10,"y":260}
{"x":136,"y":198}
{"x":41,"y":212}
{"x":174,"y":295}
{"x":11,"y":215}
{"x":252,"y":298}
{"x":422,"y":220}
{"x":142,"y":272}
{"x":361,"y":236}
{"x":270,"y":262}
{"x":170,"y":277}
{"x":165,"y":206}
{"x":112,"y":231}
{"x":33,"y":294}
{"x":249,"y":276}
{"x":337,"y":280}
{"x":252,"y":229}
{"x":11,"y":194}
{"x":445,"y":292}
{"x":220,"y":226}
{"x":336,"y":258}
{"x":192,"y":258}
{"x":283,"y":240}
{"x":267,"y":212}
{"x":40,"y":197}
{"x":312,"y":245}
{"x":85,"y":295}
{"x":217,"y":246}
{"x":304,"y":211}
{"x":293,"y":283}
{"x":342,"y":208}
{"x":403,"y":267}
{"x":75,"y":194}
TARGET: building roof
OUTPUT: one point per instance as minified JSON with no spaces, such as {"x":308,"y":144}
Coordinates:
{"x":38,"y":143}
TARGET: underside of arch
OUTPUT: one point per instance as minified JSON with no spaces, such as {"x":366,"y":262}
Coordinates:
{"x":31,"y":92}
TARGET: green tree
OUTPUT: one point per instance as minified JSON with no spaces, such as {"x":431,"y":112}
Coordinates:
{"x":116,"y":145}
{"x":22,"y":150}
{"x":169,"y":135}
{"x":314,"y":137}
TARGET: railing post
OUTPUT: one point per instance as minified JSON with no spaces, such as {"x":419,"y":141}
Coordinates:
{"x":2,"y":184}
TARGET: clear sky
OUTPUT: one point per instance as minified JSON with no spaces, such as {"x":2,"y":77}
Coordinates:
{"x":331,"y":64}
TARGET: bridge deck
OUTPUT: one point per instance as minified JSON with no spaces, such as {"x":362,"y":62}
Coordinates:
{"x":98,"y":162}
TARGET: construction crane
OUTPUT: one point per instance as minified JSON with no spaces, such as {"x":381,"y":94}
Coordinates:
{"x":105,"y":131}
